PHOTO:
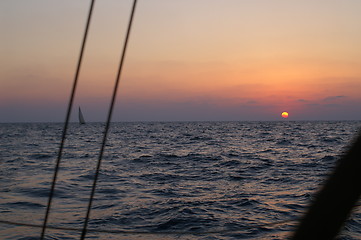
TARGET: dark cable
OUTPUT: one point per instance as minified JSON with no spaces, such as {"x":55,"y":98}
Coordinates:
{"x":108,"y":122}
{"x":66,"y":123}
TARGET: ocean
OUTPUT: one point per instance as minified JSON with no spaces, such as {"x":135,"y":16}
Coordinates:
{"x":170,"y":180}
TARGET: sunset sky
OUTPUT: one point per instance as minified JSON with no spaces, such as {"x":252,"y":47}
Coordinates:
{"x":187,"y":60}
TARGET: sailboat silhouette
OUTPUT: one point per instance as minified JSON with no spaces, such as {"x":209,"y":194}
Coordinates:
{"x":81,"y":117}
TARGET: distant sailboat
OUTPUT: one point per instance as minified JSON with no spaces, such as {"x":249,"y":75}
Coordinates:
{"x":81,"y":118}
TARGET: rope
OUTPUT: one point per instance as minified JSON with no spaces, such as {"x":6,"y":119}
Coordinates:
{"x":108,"y":121}
{"x":66,"y":123}
{"x":147,"y":233}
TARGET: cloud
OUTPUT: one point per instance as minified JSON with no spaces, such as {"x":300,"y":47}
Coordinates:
{"x":332,"y":98}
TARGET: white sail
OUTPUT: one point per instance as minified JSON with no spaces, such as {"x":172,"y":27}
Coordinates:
{"x":81,"y":118}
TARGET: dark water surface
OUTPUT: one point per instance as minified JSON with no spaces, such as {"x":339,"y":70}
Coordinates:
{"x":237,"y":178}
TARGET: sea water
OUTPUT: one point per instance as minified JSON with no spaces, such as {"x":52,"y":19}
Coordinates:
{"x":176,"y":180}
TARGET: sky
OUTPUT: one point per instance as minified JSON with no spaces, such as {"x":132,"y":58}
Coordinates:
{"x":187,"y":60}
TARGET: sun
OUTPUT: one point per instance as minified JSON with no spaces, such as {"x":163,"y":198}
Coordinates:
{"x":284,"y":114}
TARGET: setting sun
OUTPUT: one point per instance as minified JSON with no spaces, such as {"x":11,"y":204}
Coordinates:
{"x":284,"y":114}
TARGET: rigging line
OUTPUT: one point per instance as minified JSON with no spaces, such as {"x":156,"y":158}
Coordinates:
{"x":129,"y":232}
{"x":110,"y":112}
{"x":66,"y":123}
